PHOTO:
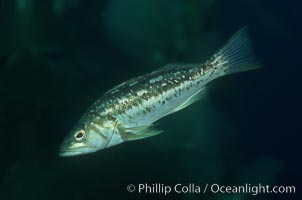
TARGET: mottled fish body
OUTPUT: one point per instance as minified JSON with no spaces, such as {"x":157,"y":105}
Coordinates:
{"x":144,"y":100}
{"x":128,"y":111}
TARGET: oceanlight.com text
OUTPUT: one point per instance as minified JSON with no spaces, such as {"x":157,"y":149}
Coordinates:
{"x":252,"y":189}
{"x":192,"y":188}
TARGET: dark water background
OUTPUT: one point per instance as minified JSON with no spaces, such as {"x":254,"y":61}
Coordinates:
{"x":57,"y":57}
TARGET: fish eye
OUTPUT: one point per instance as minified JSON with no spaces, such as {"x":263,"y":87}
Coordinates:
{"x":79,"y":135}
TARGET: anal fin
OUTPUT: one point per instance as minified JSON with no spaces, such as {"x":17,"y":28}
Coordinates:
{"x":195,"y":97}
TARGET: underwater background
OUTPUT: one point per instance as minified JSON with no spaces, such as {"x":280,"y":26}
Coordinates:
{"x":58,"y":56}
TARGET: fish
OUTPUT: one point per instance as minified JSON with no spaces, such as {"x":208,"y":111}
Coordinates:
{"x":130,"y":110}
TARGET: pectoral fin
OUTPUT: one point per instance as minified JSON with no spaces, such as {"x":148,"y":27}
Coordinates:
{"x":137,"y":133}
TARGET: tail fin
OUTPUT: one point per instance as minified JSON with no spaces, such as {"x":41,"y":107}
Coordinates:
{"x":237,"y":54}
